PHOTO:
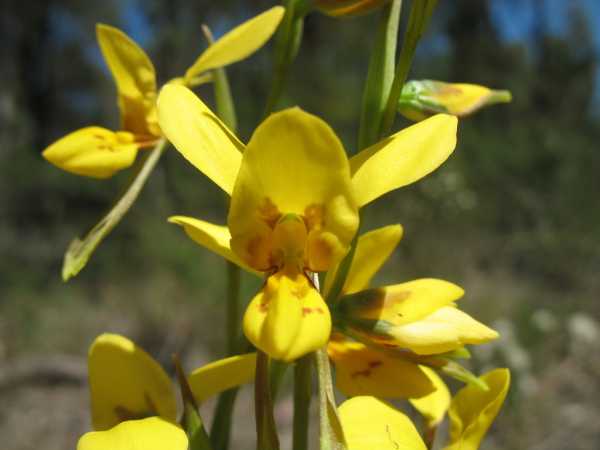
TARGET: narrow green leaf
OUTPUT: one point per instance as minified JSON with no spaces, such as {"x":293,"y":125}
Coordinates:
{"x":420,"y":13}
{"x":287,"y":44}
{"x":191,"y":420}
{"x":380,"y":75}
{"x":80,"y":251}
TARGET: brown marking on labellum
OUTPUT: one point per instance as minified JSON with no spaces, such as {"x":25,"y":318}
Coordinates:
{"x":306,"y":311}
{"x":268,"y":212}
{"x":313,"y":216}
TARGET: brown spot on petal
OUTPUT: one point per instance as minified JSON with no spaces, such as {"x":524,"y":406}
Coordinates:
{"x":306,"y":311}
{"x":361,"y":373}
{"x":313,"y":216}
{"x":268,"y":212}
{"x":374,"y":364}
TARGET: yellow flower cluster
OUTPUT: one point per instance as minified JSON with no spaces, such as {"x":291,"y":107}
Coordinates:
{"x":294,"y":212}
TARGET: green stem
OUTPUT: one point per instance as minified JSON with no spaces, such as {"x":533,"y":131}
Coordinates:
{"x":342,"y":272}
{"x":420,"y":13}
{"x":277,"y":371}
{"x":302,"y":396}
{"x":233,"y":308}
{"x":380,"y":75}
{"x":429,"y":436}
{"x":223,"y":98}
{"x":287,"y":44}
{"x":220,"y":432}
{"x":266,"y":432}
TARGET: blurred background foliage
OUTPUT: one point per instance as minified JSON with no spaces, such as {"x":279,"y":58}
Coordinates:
{"x":513,"y":216}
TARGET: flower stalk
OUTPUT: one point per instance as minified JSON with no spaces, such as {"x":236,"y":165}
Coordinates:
{"x":302,"y":398}
{"x":287,"y":44}
{"x":380,"y":75}
{"x":420,"y":13}
{"x":221,"y":427}
{"x":266,"y":431}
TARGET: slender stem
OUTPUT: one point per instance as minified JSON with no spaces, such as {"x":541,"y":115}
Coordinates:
{"x":420,"y":13}
{"x":263,"y":405}
{"x":429,"y":436}
{"x":277,"y":371}
{"x":287,"y":43}
{"x":380,"y":75}
{"x":342,"y":272}
{"x":302,"y":396}
{"x":220,"y":431}
{"x":233,"y":308}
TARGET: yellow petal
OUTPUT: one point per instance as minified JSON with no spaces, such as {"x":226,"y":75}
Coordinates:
{"x":93,"y":152}
{"x":360,"y":370}
{"x":126,"y":383}
{"x":370,"y":424}
{"x":199,"y":135}
{"x":473,"y":410}
{"x":135,"y":77}
{"x":221,"y":375}
{"x":372,"y":251}
{"x":152,"y":433}
{"x":434,"y":405}
{"x":400,"y":304}
{"x":444,"y":330}
{"x":214,"y":237}
{"x":294,"y":164}
{"x":288,"y":318}
{"x":239,"y":43}
{"x":403,"y":158}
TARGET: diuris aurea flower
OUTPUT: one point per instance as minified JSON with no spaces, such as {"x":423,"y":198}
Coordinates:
{"x":294,"y":203}
{"x":98,"y":152}
{"x":372,"y":424}
{"x":417,"y":326}
{"x":133,"y":402}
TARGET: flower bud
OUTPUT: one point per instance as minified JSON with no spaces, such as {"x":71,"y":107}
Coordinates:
{"x":347,"y":8}
{"x":423,"y":98}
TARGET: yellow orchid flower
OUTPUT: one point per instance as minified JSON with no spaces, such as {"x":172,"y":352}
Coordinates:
{"x":98,"y":152}
{"x":152,"y":433}
{"x":371,"y":424}
{"x":128,"y":384}
{"x":418,"y":315}
{"x":347,"y":8}
{"x":294,"y":203}
{"x":473,"y":410}
{"x":423,"y":98}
